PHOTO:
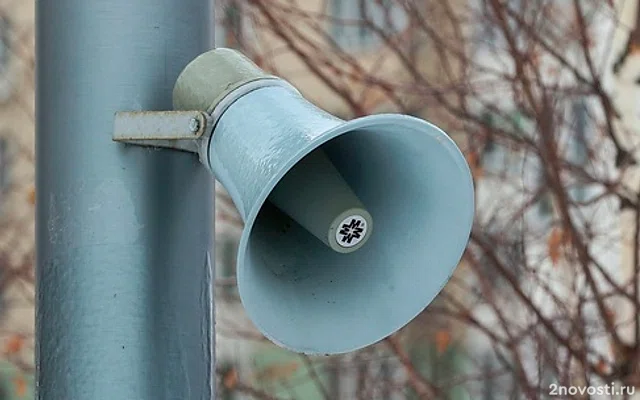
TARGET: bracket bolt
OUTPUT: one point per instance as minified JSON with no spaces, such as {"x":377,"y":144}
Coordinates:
{"x":194,"y":125}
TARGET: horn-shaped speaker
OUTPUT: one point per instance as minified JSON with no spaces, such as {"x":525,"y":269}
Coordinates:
{"x":351,"y":227}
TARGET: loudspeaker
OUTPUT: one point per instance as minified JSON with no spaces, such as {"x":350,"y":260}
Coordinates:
{"x":351,"y":227}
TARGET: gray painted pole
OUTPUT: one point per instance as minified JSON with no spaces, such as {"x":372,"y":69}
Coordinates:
{"x":124,"y":302}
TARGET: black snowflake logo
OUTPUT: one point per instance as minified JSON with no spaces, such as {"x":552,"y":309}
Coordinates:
{"x":352,"y":230}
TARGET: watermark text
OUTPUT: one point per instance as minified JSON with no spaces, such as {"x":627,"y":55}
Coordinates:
{"x":611,"y":389}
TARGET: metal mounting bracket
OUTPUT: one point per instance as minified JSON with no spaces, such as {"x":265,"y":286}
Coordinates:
{"x":180,"y":130}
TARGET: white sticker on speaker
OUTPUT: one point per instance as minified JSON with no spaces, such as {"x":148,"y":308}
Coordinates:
{"x":351,"y":231}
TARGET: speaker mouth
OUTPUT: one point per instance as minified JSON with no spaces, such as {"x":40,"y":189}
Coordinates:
{"x":307,"y":298}
{"x":408,"y":175}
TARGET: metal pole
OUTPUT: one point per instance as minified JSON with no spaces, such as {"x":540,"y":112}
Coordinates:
{"x":124,"y":302}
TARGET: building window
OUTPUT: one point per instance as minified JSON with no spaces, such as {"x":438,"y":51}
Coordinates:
{"x":489,"y":147}
{"x":4,"y":43}
{"x":579,"y":153}
{"x":501,"y":159}
{"x":5,"y":57}
{"x":229,"y":28}
{"x":355,"y":22}
{"x":5,"y":168}
{"x":545,"y":203}
{"x":488,"y":32}
{"x":233,"y":24}
{"x":511,"y":254}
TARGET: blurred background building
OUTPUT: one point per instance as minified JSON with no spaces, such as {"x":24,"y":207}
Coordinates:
{"x":366,"y":75}
{"x":506,"y":176}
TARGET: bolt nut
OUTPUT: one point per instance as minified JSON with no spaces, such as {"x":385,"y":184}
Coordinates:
{"x":194,"y":125}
